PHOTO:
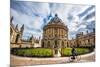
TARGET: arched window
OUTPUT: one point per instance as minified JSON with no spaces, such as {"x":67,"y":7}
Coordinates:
{"x":62,"y":44}
{"x":88,"y":40}
{"x":42,"y":44}
{"x":48,"y":43}
{"x":67,"y":44}
{"x":56,"y":32}
{"x":11,"y":31}
{"x":17,"y":37}
{"x":55,"y":46}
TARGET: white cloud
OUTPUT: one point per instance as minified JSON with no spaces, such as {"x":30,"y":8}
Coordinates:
{"x":36,"y":12}
{"x":28,"y":21}
{"x":91,"y":19}
{"x":38,"y":8}
{"x":37,"y":23}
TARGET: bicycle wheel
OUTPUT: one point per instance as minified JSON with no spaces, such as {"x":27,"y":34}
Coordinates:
{"x":78,"y":58}
{"x":70,"y":59}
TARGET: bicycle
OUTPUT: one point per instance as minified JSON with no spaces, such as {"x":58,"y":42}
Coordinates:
{"x":77,"y":58}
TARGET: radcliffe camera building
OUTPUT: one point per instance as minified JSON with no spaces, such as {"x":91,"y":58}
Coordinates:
{"x":55,"y":35}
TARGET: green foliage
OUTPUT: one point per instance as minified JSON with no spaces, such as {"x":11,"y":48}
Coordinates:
{"x":35,"y":52}
{"x":82,"y":50}
{"x":19,"y":52}
{"x":67,"y":51}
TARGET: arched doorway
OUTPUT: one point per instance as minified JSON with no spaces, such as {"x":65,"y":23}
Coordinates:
{"x":62,"y":44}
{"x":56,"y":49}
{"x":43,"y":44}
{"x":17,"y":37}
{"x":49,"y":44}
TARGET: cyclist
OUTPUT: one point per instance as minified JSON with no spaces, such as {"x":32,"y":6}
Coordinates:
{"x":74,"y":54}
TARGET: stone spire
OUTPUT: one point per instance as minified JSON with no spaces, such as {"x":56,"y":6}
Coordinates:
{"x":31,"y":38}
{"x":16,"y":27}
{"x":11,"y":19}
{"x":22,"y":28}
{"x":94,"y":30}
{"x":56,"y":19}
{"x":56,"y":15}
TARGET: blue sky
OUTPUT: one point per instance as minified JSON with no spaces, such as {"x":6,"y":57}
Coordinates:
{"x":34,"y":15}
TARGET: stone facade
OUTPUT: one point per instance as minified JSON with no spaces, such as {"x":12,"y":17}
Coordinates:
{"x":15,"y":34}
{"x":83,"y":40}
{"x":86,"y":40}
{"x":55,"y":36}
{"x":16,"y":40}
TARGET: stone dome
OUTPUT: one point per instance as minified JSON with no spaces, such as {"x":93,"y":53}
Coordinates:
{"x":56,"y":22}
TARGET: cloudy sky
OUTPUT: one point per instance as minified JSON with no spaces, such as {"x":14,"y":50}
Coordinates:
{"x":34,"y":15}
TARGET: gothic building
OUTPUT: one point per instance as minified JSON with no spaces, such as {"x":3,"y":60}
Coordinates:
{"x":15,"y":34}
{"x":85,"y":40}
{"x":16,"y":40}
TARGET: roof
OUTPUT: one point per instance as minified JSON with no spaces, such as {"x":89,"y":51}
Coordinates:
{"x":56,"y":20}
